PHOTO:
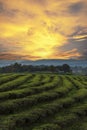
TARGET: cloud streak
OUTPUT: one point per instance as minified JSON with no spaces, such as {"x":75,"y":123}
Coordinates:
{"x":76,"y":7}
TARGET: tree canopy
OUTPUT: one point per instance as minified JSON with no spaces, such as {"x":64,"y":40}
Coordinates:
{"x":65,"y":68}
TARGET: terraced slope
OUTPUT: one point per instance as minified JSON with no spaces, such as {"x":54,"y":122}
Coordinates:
{"x":43,"y":102}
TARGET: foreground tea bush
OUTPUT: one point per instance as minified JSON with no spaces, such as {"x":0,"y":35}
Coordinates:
{"x":48,"y":127}
{"x":13,"y":84}
{"x":42,"y":102}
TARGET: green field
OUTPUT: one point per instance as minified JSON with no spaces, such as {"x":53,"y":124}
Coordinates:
{"x":43,"y":102}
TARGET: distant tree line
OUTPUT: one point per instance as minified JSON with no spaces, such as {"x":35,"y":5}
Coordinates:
{"x":65,"y":68}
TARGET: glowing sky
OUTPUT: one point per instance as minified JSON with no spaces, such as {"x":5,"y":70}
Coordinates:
{"x":43,"y":29}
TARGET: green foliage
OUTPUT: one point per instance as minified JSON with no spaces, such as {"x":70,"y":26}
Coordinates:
{"x":48,"y":127}
{"x":65,"y":68}
{"x":42,"y":102}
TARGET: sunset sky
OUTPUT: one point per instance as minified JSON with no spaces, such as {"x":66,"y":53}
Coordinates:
{"x":43,"y":29}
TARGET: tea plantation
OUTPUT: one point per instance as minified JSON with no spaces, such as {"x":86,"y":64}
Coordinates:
{"x":43,"y":102}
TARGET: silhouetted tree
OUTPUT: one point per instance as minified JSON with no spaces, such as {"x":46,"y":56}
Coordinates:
{"x":66,"y":68}
{"x":29,"y":68}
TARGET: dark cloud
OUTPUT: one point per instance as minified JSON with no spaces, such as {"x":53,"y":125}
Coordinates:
{"x":78,"y":40}
{"x":77,"y":36}
{"x":76,"y":7}
{"x":9,"y":47}
{"x":51,"y":13}
{"x":28,"y":14}
{"x":79,"y":30}
{"x":1,"y":7}
{"x":83,"y":38}
{"x":81,"y":46}
{"x":7,"y":12}
{"x":10,"y":56}
{"x":39,"y":2}
{"x":13,"y":12}
{"x":2,"y":48}
{"x":84,"y":55}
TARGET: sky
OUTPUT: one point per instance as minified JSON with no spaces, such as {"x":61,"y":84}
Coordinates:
{"x":43,"y":29}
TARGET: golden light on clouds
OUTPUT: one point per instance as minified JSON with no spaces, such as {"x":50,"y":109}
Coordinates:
{"x":42,"y":29}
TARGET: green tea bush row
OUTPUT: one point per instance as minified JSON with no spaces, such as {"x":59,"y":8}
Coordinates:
{"x":38,"y":114}
{"x":8,"y":78}
{"x":13,"y":94}
{"x":48,"y":127}
{"x":47,"y":79}
{"x":13,"y":106}
{"x":80,"y":94}
{"x":13,"y":84}
{"x":76,"y":83}
{"x":29,"y":101}
{"x":34,"y":82}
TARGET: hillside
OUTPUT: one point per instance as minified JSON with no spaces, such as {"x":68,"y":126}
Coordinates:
{"x":54,"y":62}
